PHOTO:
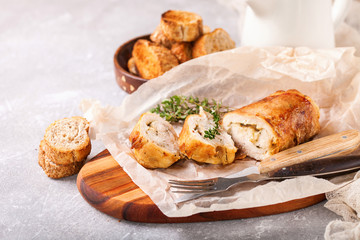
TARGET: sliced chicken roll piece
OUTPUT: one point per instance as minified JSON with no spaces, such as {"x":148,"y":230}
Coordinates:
{"x":193,"y":144}
{"x":154,"y":142}
{"x":280,"y":121}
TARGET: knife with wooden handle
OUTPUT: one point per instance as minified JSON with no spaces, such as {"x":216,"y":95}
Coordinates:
{"x":323,"y":157}
{"x":338,"y":144}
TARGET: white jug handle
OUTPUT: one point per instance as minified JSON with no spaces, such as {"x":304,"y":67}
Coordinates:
{"x":340,"y":9}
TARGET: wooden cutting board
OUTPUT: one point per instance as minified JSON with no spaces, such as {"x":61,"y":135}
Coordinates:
{"x":106,"y":187}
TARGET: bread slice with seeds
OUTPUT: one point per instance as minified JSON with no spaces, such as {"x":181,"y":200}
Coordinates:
{"x":54,"y":170}
{"x":216,"y":41}
{"x":67,"y":141}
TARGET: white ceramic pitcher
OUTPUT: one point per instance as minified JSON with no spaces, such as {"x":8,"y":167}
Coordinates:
{"x":293,"y":23}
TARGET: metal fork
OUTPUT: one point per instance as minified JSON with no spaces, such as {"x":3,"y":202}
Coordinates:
{"x":325,"y":167}
{"x":199,"y":188}
{"x":216,"y":185}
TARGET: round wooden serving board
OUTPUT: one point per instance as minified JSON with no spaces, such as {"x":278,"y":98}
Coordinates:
{"x":106,"y":187}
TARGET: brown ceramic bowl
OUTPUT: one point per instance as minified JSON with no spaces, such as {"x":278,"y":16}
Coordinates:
{"x":126,"y":80}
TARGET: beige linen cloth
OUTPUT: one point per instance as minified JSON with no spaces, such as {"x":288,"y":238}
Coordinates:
{"x":346,"y":203}
{"x":238,"y":77}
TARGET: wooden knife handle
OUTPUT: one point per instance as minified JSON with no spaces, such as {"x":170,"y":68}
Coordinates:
{"x":330,"y":146}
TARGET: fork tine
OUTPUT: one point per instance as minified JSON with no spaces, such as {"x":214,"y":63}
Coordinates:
{"x":203,"y":188}
{"x":194,"y":191}
{"x":192,"y":183}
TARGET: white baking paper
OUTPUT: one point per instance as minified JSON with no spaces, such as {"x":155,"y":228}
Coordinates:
{"x":236,"y":77}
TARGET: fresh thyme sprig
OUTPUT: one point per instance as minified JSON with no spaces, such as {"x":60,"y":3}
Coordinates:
{"x":212,"y":132}
{"x":177,"y":108}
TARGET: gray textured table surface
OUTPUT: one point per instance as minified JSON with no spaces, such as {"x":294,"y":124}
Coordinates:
{"x":53,"y":54}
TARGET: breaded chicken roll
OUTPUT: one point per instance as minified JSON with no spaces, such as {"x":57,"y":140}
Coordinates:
{"x":280,"y":121}
{"x":154,"y":142}
{"x":193,"y":144}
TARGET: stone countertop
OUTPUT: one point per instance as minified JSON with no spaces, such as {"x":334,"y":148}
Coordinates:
{"x":53,"y":55}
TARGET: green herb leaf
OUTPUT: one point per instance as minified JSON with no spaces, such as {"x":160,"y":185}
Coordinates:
{"x":177,"y":108}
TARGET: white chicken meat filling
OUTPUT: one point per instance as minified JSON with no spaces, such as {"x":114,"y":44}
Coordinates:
{"x":249,"y":136}
{"x":161,"y":135}
{"x":205,"y":122}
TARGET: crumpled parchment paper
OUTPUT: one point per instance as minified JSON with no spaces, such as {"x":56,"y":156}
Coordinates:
{"x":331,"y":77}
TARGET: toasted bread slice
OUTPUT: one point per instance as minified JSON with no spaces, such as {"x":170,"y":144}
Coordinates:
{"x":67,"y":141}
{"x":152,"y":60}
{"x":181,"y":26}
{"x":154,"y":142}
{"x":54,"y":170}
{"x":216,"y":41}
{"x":159,"y":37}
{"x":206,"y":29}
{"x":182,"y":51}
{"x":194,"y":145}
{"x":132,"y":66}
